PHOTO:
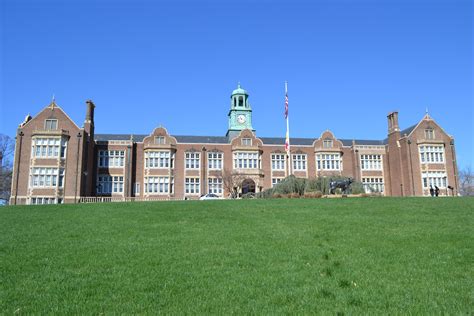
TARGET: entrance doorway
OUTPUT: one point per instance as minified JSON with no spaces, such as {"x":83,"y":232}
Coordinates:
{"x":248,"y":186}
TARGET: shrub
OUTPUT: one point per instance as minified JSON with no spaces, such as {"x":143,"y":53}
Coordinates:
{"x":313,"y":195}
{"x":294,"y":195}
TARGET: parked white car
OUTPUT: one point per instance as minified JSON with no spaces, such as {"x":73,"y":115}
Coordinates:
{"x":210,"y":196}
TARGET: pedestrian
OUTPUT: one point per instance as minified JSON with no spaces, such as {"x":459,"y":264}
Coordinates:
{"x":431,"y":190}
{"x":436,"y":190}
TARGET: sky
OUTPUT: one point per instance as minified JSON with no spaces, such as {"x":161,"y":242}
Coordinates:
{"x":146,"y":64}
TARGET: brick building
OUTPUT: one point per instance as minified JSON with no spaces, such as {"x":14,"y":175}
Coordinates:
{"x":56,"y":161}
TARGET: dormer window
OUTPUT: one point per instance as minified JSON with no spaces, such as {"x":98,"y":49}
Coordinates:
{"x":429,"y":133}
{"x":246,"y":142}
{"x":327,"y":143}
{"x":51,"y":124}
{"x":160,"y":140}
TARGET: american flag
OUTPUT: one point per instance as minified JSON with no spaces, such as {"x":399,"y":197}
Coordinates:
{"x":287,"y":140}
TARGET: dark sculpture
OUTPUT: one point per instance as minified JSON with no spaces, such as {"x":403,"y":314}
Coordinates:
{"x":344,"y":185}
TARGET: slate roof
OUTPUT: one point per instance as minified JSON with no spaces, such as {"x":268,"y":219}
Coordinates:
{"x":107,"y":137}
{"x":408,"y":130}
{"x":202,"y":139}
{"x":224,"y":140}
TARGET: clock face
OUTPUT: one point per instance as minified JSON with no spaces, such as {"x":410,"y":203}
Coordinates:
{"x":241,"y":118}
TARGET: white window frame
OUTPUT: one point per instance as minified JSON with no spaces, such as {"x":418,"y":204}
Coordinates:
{"x":246,"y":141}
{"x":48,"y":148}
{"x":435,"y":177}
{"x":278,"y":161}
{"x":44,"y":200}
{"x":429,"y":134}
{"x":160,"y":185}
{"x":215,"y":160}
{"x":160,"y":140}
{"x":332,"y":164}
{"x":328,"y":143}
{"x":111,"y":158}
{"x":276,"y":180}
{"x":192,"y":185}
{"x":215,"y":185}
{"x":192,"y":160}
{"x":300,"y":162}
{"x":110,"y":184}
{"x":246,"y":160}
{"x":159,"y":159}
{"x":46,"y":177}
{"x":431,"y":154}
{"x":371,"y":162}
{"x":48,"y":124}
{"x":373,"y":184}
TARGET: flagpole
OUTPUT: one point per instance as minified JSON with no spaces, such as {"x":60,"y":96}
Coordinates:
{"x":288,"y":151}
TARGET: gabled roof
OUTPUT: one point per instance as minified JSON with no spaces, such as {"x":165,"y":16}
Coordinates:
{"x":408,"y":130}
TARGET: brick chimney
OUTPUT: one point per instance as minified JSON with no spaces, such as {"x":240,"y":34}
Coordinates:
{"x":90,"y":111}
{"x":393,"y":122}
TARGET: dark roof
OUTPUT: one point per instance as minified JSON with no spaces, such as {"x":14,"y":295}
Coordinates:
{"x":224,"y":140}
{"x":202,"y":139}
{"x":408,"y":130}
{"x":107,"y":137}
{"x":293,"y":141}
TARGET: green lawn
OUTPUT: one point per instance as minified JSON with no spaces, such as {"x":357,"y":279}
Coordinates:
{"x":351,"y":256}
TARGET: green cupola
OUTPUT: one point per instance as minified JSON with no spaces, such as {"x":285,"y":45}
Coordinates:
{"x":240,"y":113}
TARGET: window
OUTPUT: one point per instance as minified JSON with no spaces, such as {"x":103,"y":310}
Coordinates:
{"x":246,"y":142}
{"x":215,"y":185}
{"x":278,"y":161}
{"x":329,"y":161}
{"x":49,"y":147}
{"x":372,"y":185}
{"x":327,"y":143}
{"x":111,"y":158}
{"x":192,"y":160}
{"x":47,"y":177}
{"x":434,"y":178}
{"x":299,"y":162}
{"x":137,"y":188}
{"x":275,"y":181}
{"x":214,"y":160}
{"x":109,"y":184}
{"x":429,"y":133}
{"x":192,"y":186}
{"x":159,"y":185}
{"x":50,"y":124}
{"x":246,"y":160}
{"x":432,"y":154}
{"x":159,"y":159}
{"x":44,"y":200}
{"x":371,"y":162}
{"x":160,"y":140}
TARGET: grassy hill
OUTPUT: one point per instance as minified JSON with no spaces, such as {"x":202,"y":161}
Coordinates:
{"x":373,"y":255}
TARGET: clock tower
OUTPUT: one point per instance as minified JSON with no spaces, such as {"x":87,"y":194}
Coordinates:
{"x":240,"y":113}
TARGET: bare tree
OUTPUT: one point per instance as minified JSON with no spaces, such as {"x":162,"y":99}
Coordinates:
{"x":232,"y":182}
{"x":466,"y":181}
{"x":7,"y":146}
